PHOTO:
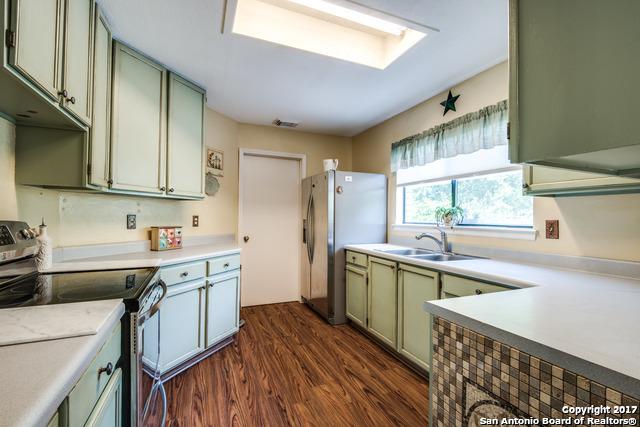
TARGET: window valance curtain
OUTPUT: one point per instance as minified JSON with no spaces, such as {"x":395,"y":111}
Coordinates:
{"x":482,"y":129}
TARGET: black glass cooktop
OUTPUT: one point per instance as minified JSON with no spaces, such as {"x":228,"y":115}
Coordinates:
{"x":59,"y":288}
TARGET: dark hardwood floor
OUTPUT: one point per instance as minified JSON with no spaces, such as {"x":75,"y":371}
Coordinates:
{"x":288,"y":367}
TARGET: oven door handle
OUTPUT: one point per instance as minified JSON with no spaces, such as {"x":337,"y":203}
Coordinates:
{"x":156,"y":306}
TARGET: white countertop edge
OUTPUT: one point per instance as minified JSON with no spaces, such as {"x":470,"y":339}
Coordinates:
{"x":598,"y":373}
{"x":145,"y":259}
{"x":42,"y":408}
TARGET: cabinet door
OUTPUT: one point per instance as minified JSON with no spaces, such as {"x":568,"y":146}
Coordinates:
{"x":185,"y":138}
{"x":99,"y":132}
{"x":570,"y":61}
{"x":181,"y":326}
{"x":38,"y":42}
{"x":383,"y":297}
{"x":415,"y":286}
{"x":76,"y":76}
{"x":223,"y":306}
{"x":541,"y":180}
{"x":454,"y":286}
{"x":356,"y":283}
{"x":138,"y":139}
{"x":108,"y":409}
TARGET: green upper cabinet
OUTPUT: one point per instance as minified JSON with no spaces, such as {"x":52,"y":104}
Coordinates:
{"x":37,"y":49}
{"x":78,"y":50}
{"x":185,"y":138}
{"x":574,"y":97}
{"x":100,"y":144}
{"x":548,"y":181}
{"x":138,"y":137}
{"x":53,"y":49}
{"x":415,"y":286}
{"x":383,"y":296}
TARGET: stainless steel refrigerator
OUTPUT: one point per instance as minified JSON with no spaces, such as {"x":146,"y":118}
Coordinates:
{"x":339,"y":208}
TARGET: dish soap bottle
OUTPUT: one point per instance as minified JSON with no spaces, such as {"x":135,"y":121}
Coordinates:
{"x":44,"y":257}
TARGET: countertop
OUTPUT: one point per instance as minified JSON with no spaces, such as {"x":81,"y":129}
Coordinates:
{"x":586,"y":322}
{"x":36,"y":377}
{"x":145,"y":258}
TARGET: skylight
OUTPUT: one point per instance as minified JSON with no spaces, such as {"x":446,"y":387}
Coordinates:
{"x":352,"y":15}
{"x":325,"y":28}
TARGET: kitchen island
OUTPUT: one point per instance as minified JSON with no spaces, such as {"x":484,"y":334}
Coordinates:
{"x":564,"y":338}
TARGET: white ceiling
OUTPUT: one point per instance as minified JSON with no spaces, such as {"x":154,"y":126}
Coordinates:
{"x":253,"y":81}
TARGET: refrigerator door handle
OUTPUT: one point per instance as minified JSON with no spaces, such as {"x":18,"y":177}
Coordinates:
{"x":311,"y":238}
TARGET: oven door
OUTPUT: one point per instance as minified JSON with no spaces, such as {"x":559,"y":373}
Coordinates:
{"x":151,"y":402}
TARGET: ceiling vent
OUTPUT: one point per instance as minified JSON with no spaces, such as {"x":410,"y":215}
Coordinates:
{"x":282,"y":124}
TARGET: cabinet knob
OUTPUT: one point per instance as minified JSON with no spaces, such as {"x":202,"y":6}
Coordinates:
{"x":478,"y":291}
{"x":163,"y":188}
{"x":171,"y":190}
{"x":64,"y":93}
{"x":226,"y":265}
{"x":184,"y":274}
{"x":72,"y":100}
{"x":107,"y":370}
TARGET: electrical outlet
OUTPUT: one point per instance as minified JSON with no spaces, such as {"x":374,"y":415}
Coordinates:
{"x":195,"y":221}
{"x":131,"y":222}
{"x":551,"y":229}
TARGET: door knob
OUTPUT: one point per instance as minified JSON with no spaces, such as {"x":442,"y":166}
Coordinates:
{"x":246,"y":239}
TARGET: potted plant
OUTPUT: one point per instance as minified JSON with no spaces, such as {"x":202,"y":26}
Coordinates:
{"x":449,"y":216}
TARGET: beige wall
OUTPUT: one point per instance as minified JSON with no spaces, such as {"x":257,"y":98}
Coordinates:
{"x":77,"y":218}
{"x":597,"y":226}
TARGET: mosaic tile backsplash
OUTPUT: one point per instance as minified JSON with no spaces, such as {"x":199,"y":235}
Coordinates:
{"x":474,"y":377}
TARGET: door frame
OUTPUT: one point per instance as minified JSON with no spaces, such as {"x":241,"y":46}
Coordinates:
{"x":302,"y":162}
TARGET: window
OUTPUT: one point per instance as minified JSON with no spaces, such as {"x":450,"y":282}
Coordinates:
{"x":488,"y":197}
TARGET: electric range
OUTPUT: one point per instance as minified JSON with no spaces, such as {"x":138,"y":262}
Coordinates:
{"x":141,"y":290}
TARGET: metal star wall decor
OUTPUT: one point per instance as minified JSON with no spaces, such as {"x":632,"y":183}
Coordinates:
{"x":449,"y":103}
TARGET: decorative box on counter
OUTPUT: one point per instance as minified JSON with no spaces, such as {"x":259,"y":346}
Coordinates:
{"x":166,"y":237}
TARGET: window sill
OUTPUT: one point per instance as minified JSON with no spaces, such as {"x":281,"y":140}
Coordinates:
{"x":461,"y":230}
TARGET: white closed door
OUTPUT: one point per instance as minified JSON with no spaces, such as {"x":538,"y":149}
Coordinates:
{"x":270,"y":228}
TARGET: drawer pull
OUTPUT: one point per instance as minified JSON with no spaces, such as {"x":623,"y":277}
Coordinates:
{"x":184,"y":274}
{"x":353,"y":258}
{"x":226,"y":265}
{"x":107,"y":370}
{"x":478,"y":291}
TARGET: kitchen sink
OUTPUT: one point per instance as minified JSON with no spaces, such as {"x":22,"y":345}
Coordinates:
{"x":407,"y":252}
{"x":442,"y":257}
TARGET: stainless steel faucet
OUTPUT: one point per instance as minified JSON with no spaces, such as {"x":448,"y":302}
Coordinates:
{"x":442,"y":243}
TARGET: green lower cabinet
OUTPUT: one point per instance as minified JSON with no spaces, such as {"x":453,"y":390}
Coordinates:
{"x":382,"y":296}
{"x":415,"y":286}
{"x":223,"y":314}
{"x":108,"y":409}
{"x":356,"y":288}
{"x":181,"y":325}
{"x":454,"y":286}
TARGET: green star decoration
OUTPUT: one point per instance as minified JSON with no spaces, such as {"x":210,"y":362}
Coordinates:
{"x":449,"y":103}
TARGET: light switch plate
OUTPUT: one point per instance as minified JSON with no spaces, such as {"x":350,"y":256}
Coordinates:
{"x":195,"y":221}
{"x":131,"y":222}
{"x":551,"y":229}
